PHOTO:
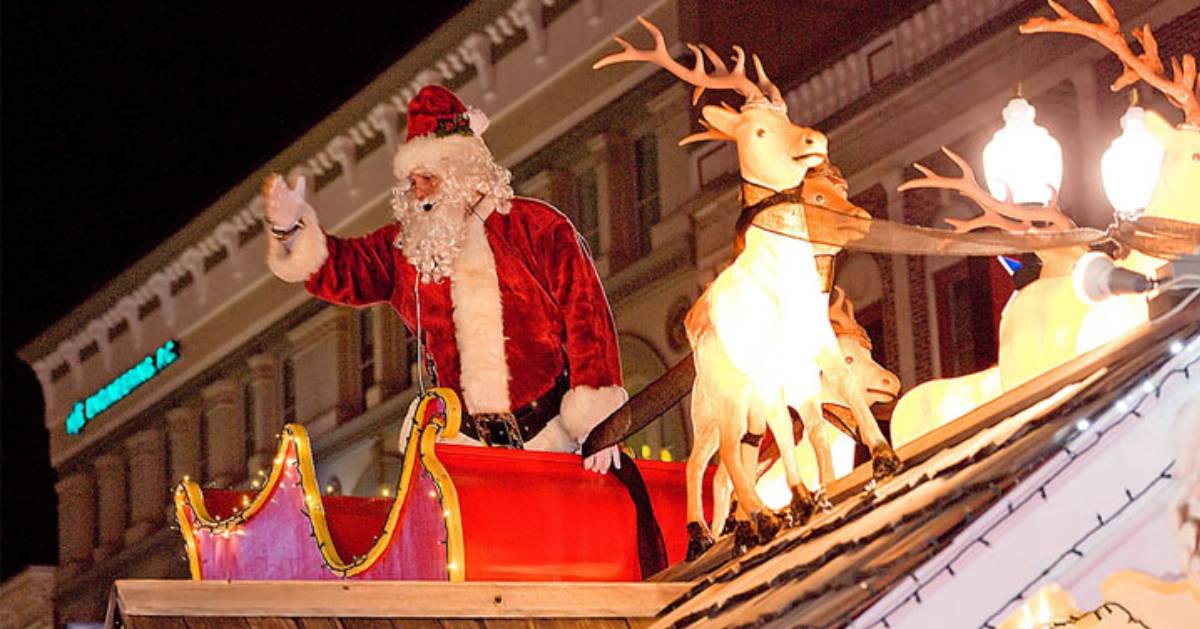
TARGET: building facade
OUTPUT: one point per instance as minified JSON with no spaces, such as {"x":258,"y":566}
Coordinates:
{"x":190,"y":362}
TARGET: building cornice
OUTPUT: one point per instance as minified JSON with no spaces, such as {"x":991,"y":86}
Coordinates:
{"x":448,"y":53}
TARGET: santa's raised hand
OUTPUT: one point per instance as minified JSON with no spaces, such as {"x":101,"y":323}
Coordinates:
{"x":284,"y":205}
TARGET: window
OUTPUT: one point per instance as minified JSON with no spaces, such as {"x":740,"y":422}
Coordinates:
{"x":366,"y":351}
{"x":289,"y":391}
{"x":964,"y":310}
{"x":646,"y":165}
{"x":587,"y":204}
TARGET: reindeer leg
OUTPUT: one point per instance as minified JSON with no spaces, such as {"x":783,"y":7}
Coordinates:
{"x":764,"y":521}
{"x":815,"y":431}
{"x":744,"y":536}
{"x":722,"y":489}
{"x":780,"y":421}
{"x":723,"y":486}
{"x":884,"y":461}
{"x":705,"y":439}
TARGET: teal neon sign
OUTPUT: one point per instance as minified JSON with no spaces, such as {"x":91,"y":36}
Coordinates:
{"x":86,"y":410}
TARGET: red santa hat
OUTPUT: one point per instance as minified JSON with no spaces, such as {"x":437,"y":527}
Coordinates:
{"x":443,"y":137}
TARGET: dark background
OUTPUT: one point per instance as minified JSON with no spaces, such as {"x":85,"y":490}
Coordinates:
{"x":120,"y":124}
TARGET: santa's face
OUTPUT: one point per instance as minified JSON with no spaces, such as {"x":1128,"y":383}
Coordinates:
{"x":424,"y":185}
{"x":432,"y":213}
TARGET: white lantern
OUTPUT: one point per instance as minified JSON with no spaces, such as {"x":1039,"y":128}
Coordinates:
{"x":1022,"y":158}
{"x":1129,"y":168}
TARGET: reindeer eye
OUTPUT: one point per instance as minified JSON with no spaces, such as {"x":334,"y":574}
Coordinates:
{"x":849,"y":360}
{"x":760,"y":132}
{"x":820,"y":198}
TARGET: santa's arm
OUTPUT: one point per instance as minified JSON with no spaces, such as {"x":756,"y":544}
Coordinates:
{"x":352,"y":271}
{"x":593,"y":355}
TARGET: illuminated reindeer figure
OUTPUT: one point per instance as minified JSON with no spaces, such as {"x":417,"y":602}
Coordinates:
{"x":1045,"y":323}
{"x":760,"y":333}
{"x":880,"y":385}
{"x":1039,"y":328}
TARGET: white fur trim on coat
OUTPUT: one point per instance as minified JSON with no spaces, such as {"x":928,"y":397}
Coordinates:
{"x":553,"y":438}
{"x":583,"y":407}
{"x":301,"y":256}
{"x":479,"y":325}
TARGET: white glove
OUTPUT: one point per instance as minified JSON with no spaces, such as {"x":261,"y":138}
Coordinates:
{"x":602,"y":460}
{"x":284,"y":205}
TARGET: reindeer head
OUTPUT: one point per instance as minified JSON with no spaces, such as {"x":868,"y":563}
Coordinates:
{"x":772,"y":151}
{"x":882,"y":386}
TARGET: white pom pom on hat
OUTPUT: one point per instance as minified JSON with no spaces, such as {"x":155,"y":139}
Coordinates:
{"x":478,"y":120}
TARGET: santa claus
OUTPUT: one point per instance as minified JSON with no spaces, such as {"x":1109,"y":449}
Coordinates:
{"x":500,"y":292}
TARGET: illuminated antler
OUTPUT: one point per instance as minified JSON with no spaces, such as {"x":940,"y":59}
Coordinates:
{"x":841,"y":318}
{"x":1005,"y":214}
{"x":1180,"y":90}
{"x":765,"y":92}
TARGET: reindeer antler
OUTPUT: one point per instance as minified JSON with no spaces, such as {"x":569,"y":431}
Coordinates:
{"x":841,"y":318}
{"x":1180,"y":90}
{"x":722,"y":78}
{"x":1005,"y":214}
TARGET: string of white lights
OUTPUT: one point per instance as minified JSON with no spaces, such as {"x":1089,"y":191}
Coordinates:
{"x":1074,"y":550}
{"x":1108,"y":607}
{"x":1124,"y":408}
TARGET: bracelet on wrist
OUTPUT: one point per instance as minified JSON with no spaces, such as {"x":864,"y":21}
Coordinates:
{"x":285,"y":233}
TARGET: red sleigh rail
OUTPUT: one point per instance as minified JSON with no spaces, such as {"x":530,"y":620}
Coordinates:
{"x":458,"y":513}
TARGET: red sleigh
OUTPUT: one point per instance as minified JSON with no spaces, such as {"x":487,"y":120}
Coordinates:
{"x":458,"y":513}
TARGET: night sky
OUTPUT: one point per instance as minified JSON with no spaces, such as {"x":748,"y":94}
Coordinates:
{"x":120,"y":124}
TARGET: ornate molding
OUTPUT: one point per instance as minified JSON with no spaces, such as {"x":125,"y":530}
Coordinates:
{"x":474,"y":53}
{"x":912,"y":41}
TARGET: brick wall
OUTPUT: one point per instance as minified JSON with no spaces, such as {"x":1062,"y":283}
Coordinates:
{"x":920,"y":206}
{"x":874,"y":200}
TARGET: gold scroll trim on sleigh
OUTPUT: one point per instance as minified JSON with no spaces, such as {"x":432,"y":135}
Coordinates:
{"x":1158,"y":237}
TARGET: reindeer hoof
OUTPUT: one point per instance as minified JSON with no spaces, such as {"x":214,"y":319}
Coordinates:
{"x":743,"y":537}
{"x":768,"y":525}
{"x":884,"y":462}
{"x":699,"y":540}
{"x":822,"y":500}
{"x":801,"y":509}
{"x":731,"y":519}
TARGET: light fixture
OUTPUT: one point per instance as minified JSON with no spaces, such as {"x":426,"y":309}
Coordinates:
{"x":1129,"y":168}
{"x":1022,"y":159}
{"x":1095,"y":278}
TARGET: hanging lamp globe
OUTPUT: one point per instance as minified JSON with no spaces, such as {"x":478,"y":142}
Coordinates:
{"x":1129,"y":168}
{"x":1022,"y":159}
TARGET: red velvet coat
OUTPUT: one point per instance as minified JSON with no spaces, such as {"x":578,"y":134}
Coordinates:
{"x":554,"y":310}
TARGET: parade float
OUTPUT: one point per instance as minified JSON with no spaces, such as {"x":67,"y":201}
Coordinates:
{"x":1069,"y":432}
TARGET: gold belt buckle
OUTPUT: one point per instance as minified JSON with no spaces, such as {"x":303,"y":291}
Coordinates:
{"x":499,"y":430}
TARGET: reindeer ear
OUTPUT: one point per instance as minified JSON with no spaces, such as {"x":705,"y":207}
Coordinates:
{"x":720,"y":119}
{"x":1159,"y":127}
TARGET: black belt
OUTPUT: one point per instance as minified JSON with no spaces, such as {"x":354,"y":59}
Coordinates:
{"x":512,"y":430}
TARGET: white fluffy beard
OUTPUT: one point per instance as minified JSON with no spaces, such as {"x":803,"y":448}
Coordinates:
{"x":432,"y":239}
